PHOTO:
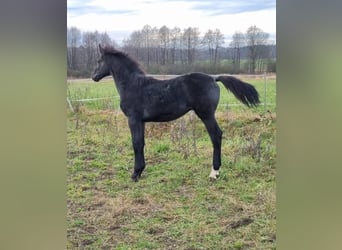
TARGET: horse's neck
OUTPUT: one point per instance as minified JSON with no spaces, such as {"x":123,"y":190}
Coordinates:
{"x":124,"y":79}
{"x":119,"y":85}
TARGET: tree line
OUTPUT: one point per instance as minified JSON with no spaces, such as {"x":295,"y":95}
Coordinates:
{"x":175,"y":51}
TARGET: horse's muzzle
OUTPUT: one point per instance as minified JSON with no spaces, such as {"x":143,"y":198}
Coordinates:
{"x":95,"y":78}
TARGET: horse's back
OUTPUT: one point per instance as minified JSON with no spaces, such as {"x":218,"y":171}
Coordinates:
{"x":198,"y":76}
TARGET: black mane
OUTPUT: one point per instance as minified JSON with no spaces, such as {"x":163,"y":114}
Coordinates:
{"x":129,"y":61}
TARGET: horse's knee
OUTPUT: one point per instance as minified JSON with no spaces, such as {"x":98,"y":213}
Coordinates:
{"x":138,"y":145}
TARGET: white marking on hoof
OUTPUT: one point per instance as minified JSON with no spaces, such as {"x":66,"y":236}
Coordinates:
{"x":214,"y":173}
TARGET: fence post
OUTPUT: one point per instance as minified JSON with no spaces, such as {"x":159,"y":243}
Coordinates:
{"x":265,"y":91}
{"x":227,"y":111}
{"x":70,"y":106}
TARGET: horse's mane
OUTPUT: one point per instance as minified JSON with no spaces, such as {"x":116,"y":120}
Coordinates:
{"x":130,"y":62}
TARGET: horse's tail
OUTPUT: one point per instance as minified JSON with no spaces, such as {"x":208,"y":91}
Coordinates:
{"x":244,"y":92}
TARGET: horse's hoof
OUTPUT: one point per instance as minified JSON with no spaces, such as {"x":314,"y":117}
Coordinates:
{"x":135,"y":177}
{"x":213,"y":178}
{"x":214,"y":174}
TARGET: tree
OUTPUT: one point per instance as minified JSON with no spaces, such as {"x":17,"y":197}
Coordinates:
{"x":175,"y":35}
{"x":175,"y":51}
{"x":190,"y":43}
{"x":106,"y":40}
{"x":146,"y":35}
{"x":134,"y":44}
{"x":256,"y":39}
{"x":82,"y":50}
{"x":164,"y":39}
{"x":214,"y":40}
{"x":90,"y":43}
{"x":208,"y":40}
{"x":155,"y":46}
{"x":73,"y":41}
{"x":236,"y":44}
{"x":218,"y":41}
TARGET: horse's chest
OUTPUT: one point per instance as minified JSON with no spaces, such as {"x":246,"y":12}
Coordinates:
{"x":131,"y":103}
{"x":124,"y":107}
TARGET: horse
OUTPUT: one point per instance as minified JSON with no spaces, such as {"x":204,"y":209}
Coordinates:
{"x":146,"y":99}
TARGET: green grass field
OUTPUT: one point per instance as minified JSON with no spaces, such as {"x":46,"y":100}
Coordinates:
{"x":174,"y":205}
{"x":87,"y":89}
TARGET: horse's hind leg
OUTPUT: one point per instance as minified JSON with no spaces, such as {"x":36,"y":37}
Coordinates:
{"x":215,"y":134}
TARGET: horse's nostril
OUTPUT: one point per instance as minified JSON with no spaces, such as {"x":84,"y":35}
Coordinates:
{"x":94,"y":78}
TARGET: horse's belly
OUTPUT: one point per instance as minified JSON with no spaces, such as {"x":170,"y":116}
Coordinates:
{"x":165,"y":114}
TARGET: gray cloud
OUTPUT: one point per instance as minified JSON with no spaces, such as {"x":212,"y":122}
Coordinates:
{"x":209,"y":7}
{"x":83,"y":8}
{"x":217,"y":7}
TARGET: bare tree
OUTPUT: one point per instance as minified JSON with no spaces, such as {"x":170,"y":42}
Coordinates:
{"x":164,"y":39}
{"x":73,"y":41}
{"x":146,"y":35}
{"x":208,"y":40}
{"x":218,"y":41}
{"x":256,"y":39}
{"x":213,"y":40}
{"x":191,"y":42}
{"x":82,"y":50}
{"x":106,"y":40}
{"x":155,"y":47}
{"x":175,"y":35}
{"x":90,"y":43}
{"x":236,"y":44}
{"x":134,"y":44}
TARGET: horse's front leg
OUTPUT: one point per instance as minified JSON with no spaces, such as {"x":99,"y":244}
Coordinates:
{"x":137,"y":128}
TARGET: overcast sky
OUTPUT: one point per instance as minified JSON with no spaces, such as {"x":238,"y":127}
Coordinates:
{"x":121,"y":17}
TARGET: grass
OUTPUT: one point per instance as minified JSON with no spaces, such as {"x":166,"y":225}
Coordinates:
{"x":174,"y":205}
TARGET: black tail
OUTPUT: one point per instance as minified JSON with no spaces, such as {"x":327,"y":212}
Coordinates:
{"x":244,"y":92}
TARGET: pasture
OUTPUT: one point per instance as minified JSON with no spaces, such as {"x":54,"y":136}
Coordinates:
{"x":174,"y":205}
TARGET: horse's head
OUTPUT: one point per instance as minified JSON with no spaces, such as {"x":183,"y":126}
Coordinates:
{"x":102,"y":69}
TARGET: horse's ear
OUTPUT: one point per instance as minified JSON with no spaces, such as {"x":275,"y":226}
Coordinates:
{"x":101,"y":49}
